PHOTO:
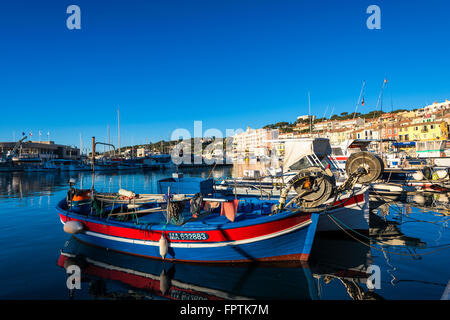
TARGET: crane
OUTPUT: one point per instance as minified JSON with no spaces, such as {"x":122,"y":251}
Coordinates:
{"x":12,"y":153}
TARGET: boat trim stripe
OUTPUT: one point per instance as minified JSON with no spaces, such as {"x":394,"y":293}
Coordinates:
{"x":203,"y":244}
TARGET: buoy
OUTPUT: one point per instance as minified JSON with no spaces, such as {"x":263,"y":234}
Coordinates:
{"x":134,"y":206}
{"x":163,"y":246}
{"x":442,"y":198}
{"x":164,"y":282}
{"x":418,"y":198}
{"x":427,"y":173}
{"x":73,"y":227}
{"x":418,"y":175}
{"x":441,"y":174}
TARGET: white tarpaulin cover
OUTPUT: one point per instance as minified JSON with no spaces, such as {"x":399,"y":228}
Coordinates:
{"x":295,"y":149}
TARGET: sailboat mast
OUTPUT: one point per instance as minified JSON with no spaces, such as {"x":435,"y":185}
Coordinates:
{"x":309,"y":108}
{"x":359,"y":99}
{"x":109,"y":142}
{"x":81,"y":145}
{"x":118,"y":126}
{"x":381,"y":94}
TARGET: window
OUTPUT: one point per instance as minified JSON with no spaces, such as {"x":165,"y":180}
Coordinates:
{"x":303,"y":163}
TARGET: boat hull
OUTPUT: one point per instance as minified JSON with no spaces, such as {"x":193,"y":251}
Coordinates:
{"x":353,"y":216}
{"x":286,"y":238}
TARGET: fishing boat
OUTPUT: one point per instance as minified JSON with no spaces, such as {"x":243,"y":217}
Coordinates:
{"x":7,"y":165}
{"x":210,"y":238}
{"x":299,"y":154}
{"x":437,"y":152}
{"x":37,"y":165}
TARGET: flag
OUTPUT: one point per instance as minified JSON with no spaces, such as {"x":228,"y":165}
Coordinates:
{"x":385,"y":80}
{"x":23,"y":133}
{"x":31,"y":133}
{"x":362,"y":102}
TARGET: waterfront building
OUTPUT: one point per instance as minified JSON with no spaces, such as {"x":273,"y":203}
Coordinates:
{"x":256,"y":142}
{"x":44,"y":149}
{"x":338,"y":136}
{"x":425,"y":131}
{"x":437,"y":107}
{"x":306,"y":117}
{"x":369,"y":133}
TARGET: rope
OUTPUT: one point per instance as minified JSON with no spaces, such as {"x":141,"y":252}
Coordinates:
{"x":382,"y":250}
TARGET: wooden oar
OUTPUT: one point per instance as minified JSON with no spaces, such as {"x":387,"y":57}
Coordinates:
{"x":135,"y":212}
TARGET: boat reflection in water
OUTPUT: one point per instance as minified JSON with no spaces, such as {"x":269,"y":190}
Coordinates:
{"x":113,"y":275}
{"x":430,"y":202}
{"x":388,"y":233}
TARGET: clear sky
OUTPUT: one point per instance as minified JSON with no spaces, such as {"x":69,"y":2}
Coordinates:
{"x":228,"y":63}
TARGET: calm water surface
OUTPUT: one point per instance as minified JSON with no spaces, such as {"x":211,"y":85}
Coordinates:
{"x":408,"y":240}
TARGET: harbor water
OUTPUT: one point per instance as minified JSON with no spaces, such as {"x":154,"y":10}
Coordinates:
{"x":408,"y":241}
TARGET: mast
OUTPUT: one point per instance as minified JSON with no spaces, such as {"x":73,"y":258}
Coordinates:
{"x":93,"y":164}
{"x":309,"y":108}
{"x":109,"y":141}
{"x":81,"y":145}
{"x":381,"y":94}
{"x":118,"y":126}
{"x":359,"y":99}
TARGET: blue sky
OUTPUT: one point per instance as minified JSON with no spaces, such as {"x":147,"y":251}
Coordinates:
{"x":229,"y":63}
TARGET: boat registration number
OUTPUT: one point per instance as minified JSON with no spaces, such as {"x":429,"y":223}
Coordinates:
{"x":188,"y":236}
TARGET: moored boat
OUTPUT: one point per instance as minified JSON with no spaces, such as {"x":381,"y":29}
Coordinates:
{"x":213,"y":238}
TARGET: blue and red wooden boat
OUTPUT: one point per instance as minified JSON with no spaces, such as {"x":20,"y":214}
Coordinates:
{"x":256,"y":234}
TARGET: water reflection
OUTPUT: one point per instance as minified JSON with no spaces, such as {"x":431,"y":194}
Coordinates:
{"x":408,"y":239}
{"x":23,"y":184}
{"x":112,"y":275}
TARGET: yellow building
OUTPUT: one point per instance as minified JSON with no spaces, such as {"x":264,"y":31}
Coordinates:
{"x":425,"y":131}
